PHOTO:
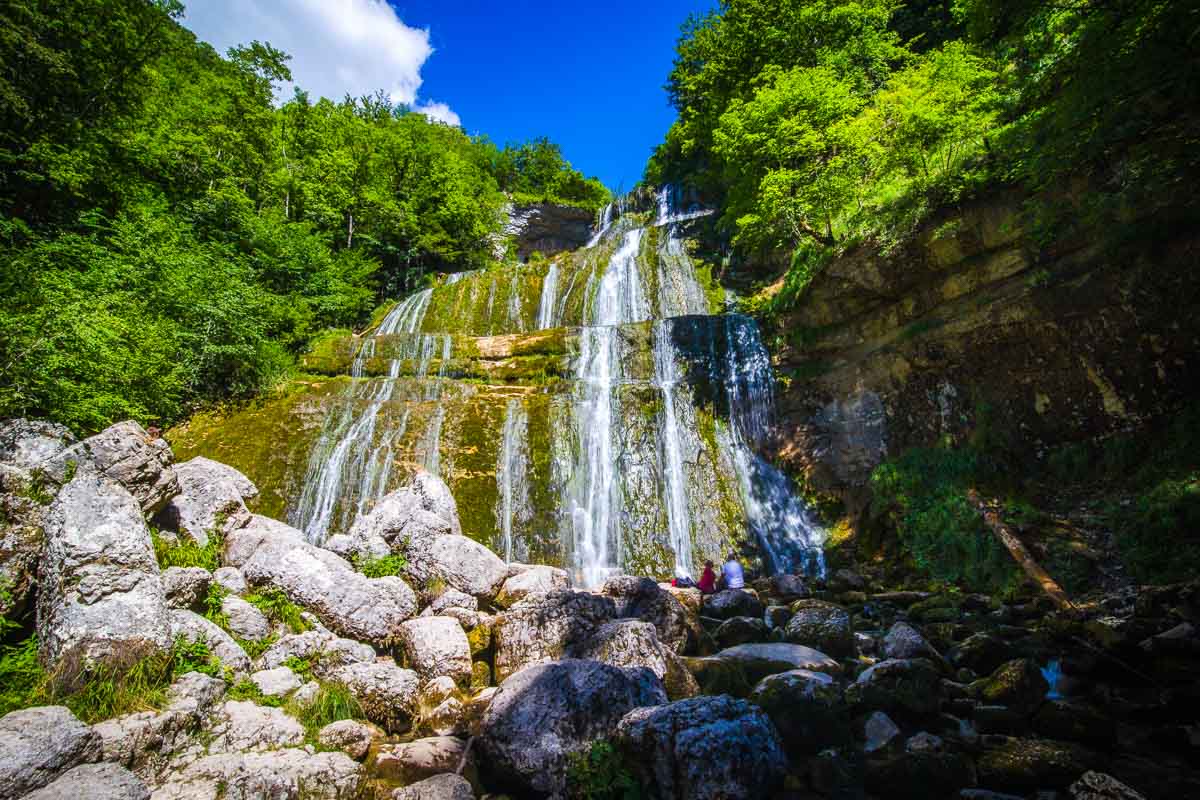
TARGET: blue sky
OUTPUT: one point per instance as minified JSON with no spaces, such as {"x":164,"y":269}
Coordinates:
{"x":589,"y":76}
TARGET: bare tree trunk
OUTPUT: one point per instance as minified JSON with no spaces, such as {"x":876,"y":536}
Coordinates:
{"x":350,"y":232}
{"x":992,"y":518}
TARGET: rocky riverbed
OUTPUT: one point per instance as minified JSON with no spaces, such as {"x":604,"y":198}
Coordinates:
{"x":470,"y":677}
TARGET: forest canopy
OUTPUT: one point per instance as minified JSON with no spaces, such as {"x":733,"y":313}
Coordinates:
{"x":169,"y":236}
{"x":814,"y":123}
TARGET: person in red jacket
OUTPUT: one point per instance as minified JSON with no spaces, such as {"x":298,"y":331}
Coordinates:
{"x":708,"y":581}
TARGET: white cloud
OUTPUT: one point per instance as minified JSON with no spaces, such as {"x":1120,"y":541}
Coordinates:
{"x":440,"y":112}
{"x":338,"y":47}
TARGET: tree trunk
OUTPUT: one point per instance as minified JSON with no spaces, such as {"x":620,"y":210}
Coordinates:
{"x":1017,"y":550}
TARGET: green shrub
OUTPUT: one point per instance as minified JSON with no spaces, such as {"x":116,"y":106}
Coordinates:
{"x":924,"y":492}
{"x":247,"y":689}
{"x":1158,"y":534}
{"x":332,"y":703}
{"x":187,"y":552}
{"x":600,"y":774}
{"x":380,"y":567}
{"x":278,"y":608}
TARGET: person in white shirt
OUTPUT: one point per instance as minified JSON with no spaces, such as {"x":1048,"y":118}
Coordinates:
{"x":732,"y":576}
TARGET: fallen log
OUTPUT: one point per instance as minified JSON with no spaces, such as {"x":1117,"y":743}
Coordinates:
{"x":1016,"y":548}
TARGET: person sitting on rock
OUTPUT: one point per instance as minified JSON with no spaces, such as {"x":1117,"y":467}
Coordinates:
{"x":732,"y":576}
{"x":708,"y":580}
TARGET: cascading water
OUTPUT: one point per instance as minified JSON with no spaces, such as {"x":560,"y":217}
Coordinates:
{"x":546,"y":316}
{"x":512,"y":464}
{"x":679,"y":524}
{"x":345,"y":467}
{"x":606,"y":220}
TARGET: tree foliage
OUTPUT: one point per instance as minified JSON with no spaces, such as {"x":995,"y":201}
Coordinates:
{"x":169,"y":236}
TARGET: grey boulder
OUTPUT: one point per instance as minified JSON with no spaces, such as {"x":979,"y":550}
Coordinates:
{"x":702,"y":748}
{"x":102,"y":595}
{"x":244,"y":620}
{"x":524,"y":580}
{"x":436,"y":646}
{"x":642,"y":598}
{"x":409,"y":762}
{"x":546,"y":713}
{"x":186,"y":587}
{"x":633,"y":643}
{"x":37,"y":745}
{"x":209,"y":501}
{"x":94,"y":782}
{"x":352,"y":738}
{"x":541,"y":627}
{"x":195,"y":628}
{"x":26,"y":443}
{"x":439,"y":787}
{"x":822,"y":625}
{"x":277,"y":774}
{"x":387,"y":693}
{"x":126,"y":454}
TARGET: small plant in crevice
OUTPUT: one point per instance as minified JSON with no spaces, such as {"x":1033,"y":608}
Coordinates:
{"x":333,"y":703}
{"x":382,"y":567}
{"x":276,"y":606}
{"x":601,"y":774}
{"x":186,"y":552}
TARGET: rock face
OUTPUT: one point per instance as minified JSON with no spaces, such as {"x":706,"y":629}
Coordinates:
{"x":211,"y":500}
{"x":547,"y":228}
{"x":126,"y":454}
{"x":529,"y":580}
{"x":26,"y":443}
{"x":102,"y":595}
{"x":95,"y":782}
{"x":633,"y":643}
{"x":251,"y":776}
{"x":436,"y":498}
{"x":37,"y":745}
{"x":547,"y":712}
{"x":702,"y":748}
{"x":21,"y":537}
{"x":642,"y":598}
{"x":349,"y":603}
{"x":821,"y":625}
{"x":542,"y":627}
{"x":1019,"y":684}
{"x":195,"y":628}
{"x":806,"y":708}
{"x":352,"y":738}
{"x":326,"y":651}
{"x":435,"y":646}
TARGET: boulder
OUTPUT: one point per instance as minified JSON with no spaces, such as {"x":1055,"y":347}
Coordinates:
{"x":26,"y":443}
{"x":230,"y":579}
{"x":919,"y":776}
{"x":276,"y":682}
{"x":435,"y":646}
{"x":447,"y":718}
{"x":905,"y":641}
{"x":101,"y":594}
{"x":417,"y":760}
{"x":981,"y":653}
{"x":846,"y":580}
{"x":1099,"y":786}
{"x":239,"y":726}
{"x":439,"y":787}
{"x":761,"y":660}
{"x":146,"y":741}
{"x":125,"y":454}
{"x":1019,"y":685}
{"x":195,"y":628}
{"x":186,"y":587}
{"x":457,"y":561}
{"x":352,"y":738}
{"x":241,"y":544}
{"x":642,"y":598}
{"x":37,"y":745}
{"x":244,"y":620}
{"x":776,"y":617}
{"x":348,"y":602}
{"x":451,"y":598}
{"x":1074,"y":721}
{"x":633,"y":643}
{"x":897,"y":686}
{"x":94,"y":782}
{"x":387,"y":693}
{"x":546,"y":713}
{"x":253,"y":776}
{"x":526,"y":580}
{"x":1023,"y":766}
{"x":209,"y":502}
{"x":821,"y":625}
{"x":741,"y":630}
{"x":543,"y":626}
{"x":21,"y":537}
{"x":702,"y":748}
{"x":321,"y":648}
{"x":789,"y":588}
{"x":436,"y":497}
{"x":878,"y":732}
{"x":731,"y":603}
{"x":806,"y":708}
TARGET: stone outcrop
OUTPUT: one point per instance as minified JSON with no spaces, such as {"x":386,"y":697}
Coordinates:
{"x":439,"y":787}
{"x":547,"y":712}
{"x":436,"y":646}
{"x":524,"y":580}
{"x":37,"y":745}
{"x":542,"y":627}
{"x":195,"y":628}
{"x":547,"y":228}
{"x":387,"y":693}
{"x":101,"y":594}
{"x":250,"y":776}
{"x":126,"y":454}
{"x":704,"y":747}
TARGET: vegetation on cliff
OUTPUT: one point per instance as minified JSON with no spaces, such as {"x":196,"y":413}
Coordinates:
{"x":170,"y":237}
{"x":815,"y":124}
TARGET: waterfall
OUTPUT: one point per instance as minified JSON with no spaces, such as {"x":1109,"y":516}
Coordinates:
{"x":679,"y":523}
{"x":606,"y":220}
{"x":790,"y":538}
{"x":515,"y":320}
{"x":343,"y":468}
{"x":545,"y":317}
{"x":594,"y":497}
{"x":512,"y":474}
